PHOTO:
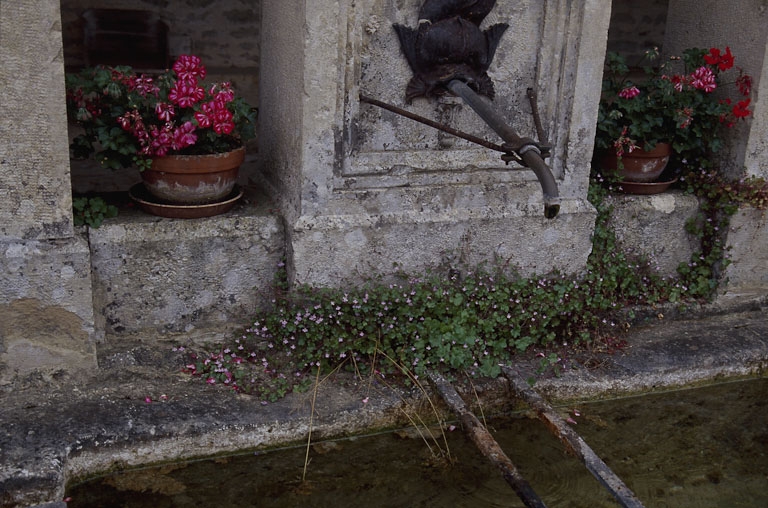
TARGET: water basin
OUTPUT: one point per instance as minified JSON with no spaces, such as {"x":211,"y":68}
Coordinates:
{"x":702,"y":447}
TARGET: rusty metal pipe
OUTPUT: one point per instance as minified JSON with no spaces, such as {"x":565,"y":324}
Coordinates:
{"x":526,"y":148}
{"x":431,"y":123}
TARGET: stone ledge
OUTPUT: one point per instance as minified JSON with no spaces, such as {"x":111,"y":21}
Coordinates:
{"x":363,"y":246}
{"x":56,"y":434}
{"x":654,"y":227}
{"x":160,"y":275}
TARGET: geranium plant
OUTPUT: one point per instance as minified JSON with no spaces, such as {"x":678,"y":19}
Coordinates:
{"x":128,"y":118}
{"x":682,"y":102}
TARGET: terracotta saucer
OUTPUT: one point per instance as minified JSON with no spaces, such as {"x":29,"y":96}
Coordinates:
{"x":645,"y":187}
{"x":149,"y":204}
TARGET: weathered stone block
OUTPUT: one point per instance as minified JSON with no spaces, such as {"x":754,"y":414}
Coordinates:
{"x":362,"y":246}
{"x":46,"y":309}
{"x":747,"y":238}
{"x":166,"y":275}
{"x":366,"y":192}
{"x":654,"y":227}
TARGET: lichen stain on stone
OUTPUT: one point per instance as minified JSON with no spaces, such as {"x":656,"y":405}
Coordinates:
{"x":663,"y":203}
{"x":46,"y":325}
{"x":39,"y":336}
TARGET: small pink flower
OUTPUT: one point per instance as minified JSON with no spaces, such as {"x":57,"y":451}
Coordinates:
{"x":210,"y":381}
{"x":148,"y":400}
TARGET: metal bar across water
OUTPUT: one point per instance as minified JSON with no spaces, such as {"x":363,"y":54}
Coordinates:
{"x":486,"y":443}
{"x":572,"y":441}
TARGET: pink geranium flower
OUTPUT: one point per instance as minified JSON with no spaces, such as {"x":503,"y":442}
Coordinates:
{"x":186,"y":94}
{"x":189,"y":68}
{"x":184,"y":136}
{"x":704,"y":79}
{"x":165,"y":111}
{"x":629,"y":92}
{"x":174,"y":112}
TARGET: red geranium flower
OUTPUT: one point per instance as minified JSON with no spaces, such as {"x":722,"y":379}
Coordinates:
{"x":723,"y":62}
{"x":744,"y":84}
{"x":741,"y":109}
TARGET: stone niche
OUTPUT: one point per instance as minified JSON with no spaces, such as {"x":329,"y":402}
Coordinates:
{"x":376,"y":192}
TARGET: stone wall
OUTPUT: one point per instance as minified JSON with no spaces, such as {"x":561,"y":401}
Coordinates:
{"x":637,"y":27}
{"x":223,"y":33}
{"x":34,"y":200}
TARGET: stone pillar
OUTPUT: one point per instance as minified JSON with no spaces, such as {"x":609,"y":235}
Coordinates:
{"x":46,"y":311}
{"x":756,"y":152}
{"x":747,"y":275}
{"x":739,"y":24}
{"x":367,"y":192}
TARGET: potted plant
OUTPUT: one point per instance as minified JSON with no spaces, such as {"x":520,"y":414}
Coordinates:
{"x":172,"y":127}
{"x":677,"y":109}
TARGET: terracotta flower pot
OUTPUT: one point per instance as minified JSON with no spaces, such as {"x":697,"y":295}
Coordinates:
{"x":193,"y":179}
{"x":640,"y":166}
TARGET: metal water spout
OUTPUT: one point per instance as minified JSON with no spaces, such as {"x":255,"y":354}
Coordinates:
{"x":529,"y":151}
{"x":448,"y":52}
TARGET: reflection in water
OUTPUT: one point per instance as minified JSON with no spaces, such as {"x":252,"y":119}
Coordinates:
{"x":692,"y":448}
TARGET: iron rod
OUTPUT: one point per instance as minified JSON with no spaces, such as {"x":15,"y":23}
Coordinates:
{"x":485,"y":442}
{"x":572,"y":441}
{"x":534,"y":100}
{"x":432,"y":123}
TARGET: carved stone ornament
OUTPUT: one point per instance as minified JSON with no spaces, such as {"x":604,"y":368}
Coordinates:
{"x":448,"y":44}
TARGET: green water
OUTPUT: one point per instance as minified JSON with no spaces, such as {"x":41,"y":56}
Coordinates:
{"x":699,"y":448}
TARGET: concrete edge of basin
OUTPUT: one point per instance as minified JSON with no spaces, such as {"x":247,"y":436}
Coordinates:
{"x":40,"y":458}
